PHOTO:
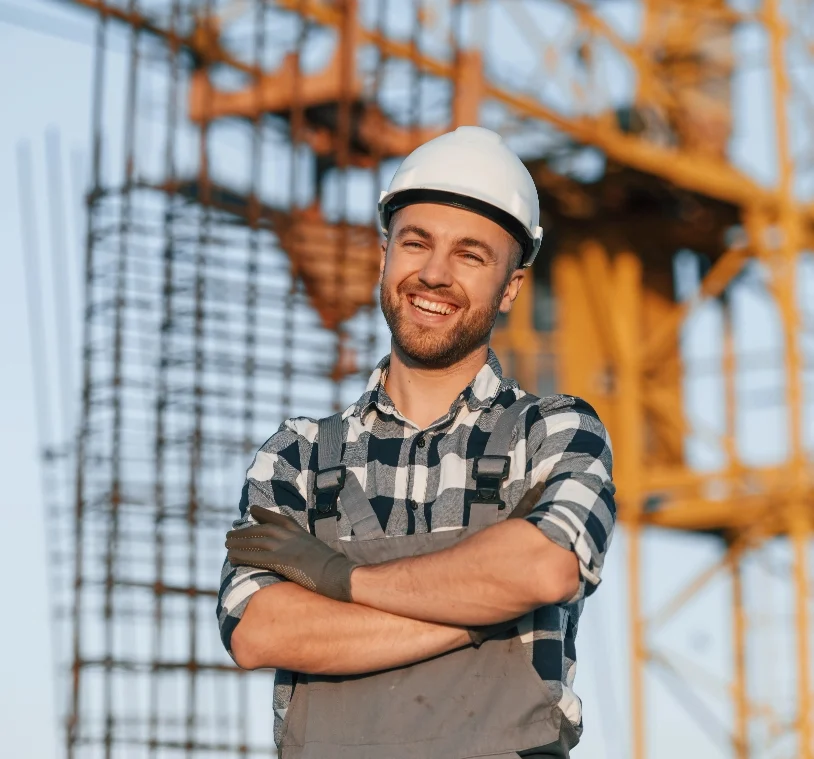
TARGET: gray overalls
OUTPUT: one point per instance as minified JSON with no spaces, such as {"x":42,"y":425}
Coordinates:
{"x":484,"y":702}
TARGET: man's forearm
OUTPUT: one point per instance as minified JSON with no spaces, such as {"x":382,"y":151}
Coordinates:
{"x":496,"y":575}
{"x":287,"y":627}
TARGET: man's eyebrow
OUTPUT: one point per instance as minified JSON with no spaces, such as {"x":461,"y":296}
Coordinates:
{"x":473,"y":242}
{"x":413,"y":229}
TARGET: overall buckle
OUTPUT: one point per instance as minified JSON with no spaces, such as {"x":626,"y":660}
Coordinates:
{"x":327,"y":485}
{"x":489,"y":473}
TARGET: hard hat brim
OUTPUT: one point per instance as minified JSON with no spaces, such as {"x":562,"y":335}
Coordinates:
{"x":403,"y":198}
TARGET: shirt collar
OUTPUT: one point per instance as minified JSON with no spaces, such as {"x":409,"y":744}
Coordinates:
{"x":480,"y":393}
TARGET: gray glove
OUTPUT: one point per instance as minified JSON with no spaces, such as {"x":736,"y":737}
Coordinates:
{"x":483,"y":632}
{"x":280,"y":544}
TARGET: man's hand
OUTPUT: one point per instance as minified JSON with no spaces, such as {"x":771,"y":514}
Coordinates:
{"x":280,"y":544}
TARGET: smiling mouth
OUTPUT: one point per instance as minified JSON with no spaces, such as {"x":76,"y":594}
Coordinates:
{"x":431,"y":307}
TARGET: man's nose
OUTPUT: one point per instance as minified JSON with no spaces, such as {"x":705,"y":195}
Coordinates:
{"x":435,"y":271}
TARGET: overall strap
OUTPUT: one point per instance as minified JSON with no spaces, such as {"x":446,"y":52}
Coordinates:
{"x":333,"y":479}
{"x":491,"y":469}
{"x":329,"y":435}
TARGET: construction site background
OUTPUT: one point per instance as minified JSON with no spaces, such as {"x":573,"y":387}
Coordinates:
{"x":190,"y":255}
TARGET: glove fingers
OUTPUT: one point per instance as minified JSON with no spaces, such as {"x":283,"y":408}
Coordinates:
{"x":244,"y":558}
{"x":266,"y":516}
{"x":528,"y":502}
{"x":261,"y":515}
{"x":255,"y":531}
{"x":251,"y":542}
{"x":275,"y":536}
{"x":247,"y":557}
{"x":260,"y":559}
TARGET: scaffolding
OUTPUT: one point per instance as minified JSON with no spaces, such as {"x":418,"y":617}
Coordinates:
{"x":231,"y":268}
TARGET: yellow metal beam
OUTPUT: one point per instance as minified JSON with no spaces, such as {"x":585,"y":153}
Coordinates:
{"x":699,"y":514}
{"x":725,"y":269}
{"x":785,"y":270}
{"x":739,"y":638}
{"x":715,"y":179}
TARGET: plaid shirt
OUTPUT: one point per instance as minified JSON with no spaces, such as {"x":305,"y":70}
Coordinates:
{"x":417,"y":481}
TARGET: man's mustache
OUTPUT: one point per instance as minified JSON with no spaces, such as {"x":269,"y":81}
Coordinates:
{"x":440,"y":293}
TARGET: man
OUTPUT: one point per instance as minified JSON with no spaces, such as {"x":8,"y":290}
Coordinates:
{"x":414,"y":568}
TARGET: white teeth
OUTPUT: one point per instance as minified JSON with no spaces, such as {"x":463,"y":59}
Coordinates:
{"x":436,"y":308}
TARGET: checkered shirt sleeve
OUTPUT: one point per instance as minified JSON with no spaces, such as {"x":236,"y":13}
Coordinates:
{"x":275,"y":481}
{"x":572,"y":454}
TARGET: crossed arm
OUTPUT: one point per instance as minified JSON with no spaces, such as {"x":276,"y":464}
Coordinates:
{"x":406,"y":610}
{"x":288,"y":627}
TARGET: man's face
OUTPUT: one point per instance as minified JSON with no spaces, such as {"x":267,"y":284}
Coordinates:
{"x":446,"y":273}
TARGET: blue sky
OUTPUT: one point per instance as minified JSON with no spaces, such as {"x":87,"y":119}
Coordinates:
{"x":45,"y":84}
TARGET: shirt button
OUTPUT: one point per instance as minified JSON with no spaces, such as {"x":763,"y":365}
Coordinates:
{"x":421,"y":442}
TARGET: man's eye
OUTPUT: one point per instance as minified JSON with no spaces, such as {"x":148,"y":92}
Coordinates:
{"x":473,"y":257}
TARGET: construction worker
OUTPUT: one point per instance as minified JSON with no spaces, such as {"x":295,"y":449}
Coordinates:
{"x":414,"y":568}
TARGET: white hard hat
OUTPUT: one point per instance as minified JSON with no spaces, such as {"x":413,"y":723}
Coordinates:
{"x":470,"y":168}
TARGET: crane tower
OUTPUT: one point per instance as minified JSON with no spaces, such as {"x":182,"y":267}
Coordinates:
{"x":231,"y":272}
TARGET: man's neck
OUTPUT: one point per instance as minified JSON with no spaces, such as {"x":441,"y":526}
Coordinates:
{"x":424,"y":395}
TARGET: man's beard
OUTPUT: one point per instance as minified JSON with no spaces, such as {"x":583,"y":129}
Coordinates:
{"x":436,"y":347}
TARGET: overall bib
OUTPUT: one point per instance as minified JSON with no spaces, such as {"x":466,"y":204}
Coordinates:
{"x":484,"y":702}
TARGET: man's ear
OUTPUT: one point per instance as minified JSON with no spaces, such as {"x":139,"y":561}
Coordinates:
{"x":511,"y":290}
{"x":382,"y":259}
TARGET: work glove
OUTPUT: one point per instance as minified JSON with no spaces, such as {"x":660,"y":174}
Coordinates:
{"x":483,"y":632}
{"x":278,"y":543}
